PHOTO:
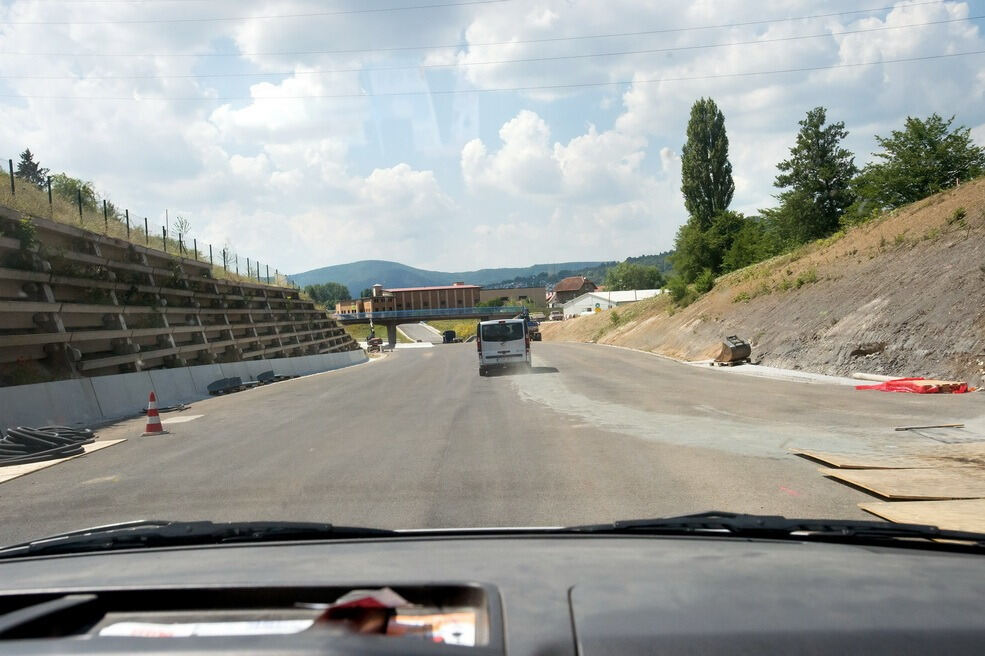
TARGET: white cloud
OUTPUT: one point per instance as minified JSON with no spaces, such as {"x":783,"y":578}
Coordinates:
{"x":291,"y":172}
{"x":524,"y":164}
{"x":591,"y":193}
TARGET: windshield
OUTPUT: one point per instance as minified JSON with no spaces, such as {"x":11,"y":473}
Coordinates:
{"x":502,"y":332}
{"x":723,"y":256}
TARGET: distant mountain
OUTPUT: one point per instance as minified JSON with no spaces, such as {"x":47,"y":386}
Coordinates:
{"x":357,"y":276}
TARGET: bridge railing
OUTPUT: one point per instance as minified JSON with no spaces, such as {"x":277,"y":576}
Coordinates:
{"x":436,"y":313}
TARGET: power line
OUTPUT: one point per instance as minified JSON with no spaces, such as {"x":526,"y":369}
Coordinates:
{"x":544,"y":87}
{"x":671,"y":30}
{"x":524,"y":60}
{"x":218,"y":19}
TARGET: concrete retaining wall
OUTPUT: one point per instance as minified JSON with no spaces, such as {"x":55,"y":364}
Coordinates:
{"x":87,"y":401}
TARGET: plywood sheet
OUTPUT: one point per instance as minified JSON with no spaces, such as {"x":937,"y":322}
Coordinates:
{"x":915,"y":484}
{"x":14,"y":471}
{"x":958,"y":515}
{"x":949,"y":455}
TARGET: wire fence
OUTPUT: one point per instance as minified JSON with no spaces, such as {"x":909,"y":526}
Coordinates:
{"x":85,"y":209}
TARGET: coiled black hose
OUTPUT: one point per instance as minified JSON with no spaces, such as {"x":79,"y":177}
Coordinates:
{"x":23,"y":444}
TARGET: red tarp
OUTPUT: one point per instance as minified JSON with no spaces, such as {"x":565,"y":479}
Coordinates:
{"x":909,"y":385}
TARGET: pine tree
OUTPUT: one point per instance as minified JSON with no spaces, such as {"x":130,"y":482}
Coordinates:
{"x":818,"y":176}
{"x":31,"y":171}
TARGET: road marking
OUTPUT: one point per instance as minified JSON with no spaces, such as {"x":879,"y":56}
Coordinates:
{"x":13,"y":471}
{"x":102,"y":479}
{"x":179,"y":419}
{"x":787,"y":490}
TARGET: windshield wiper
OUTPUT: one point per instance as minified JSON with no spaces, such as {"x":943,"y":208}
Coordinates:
{"x":164,"y":533}
{"x":778,"y":527}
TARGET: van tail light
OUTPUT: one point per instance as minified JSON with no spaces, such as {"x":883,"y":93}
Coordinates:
{"x":478,"y":343}
{"x":526,"y":341}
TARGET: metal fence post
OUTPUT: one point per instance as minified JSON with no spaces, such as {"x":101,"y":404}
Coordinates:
{"x":78,"y":194}
{"x":105,"y":219}
{"x":211,"y":263}
{"x":249,"y":271}
{"x":224,"y":261}
{"x":146,"y":233}
{"x":128,"y":224}
{"x":268,"y":274}
{"x":237,"y":264}
{"x":195,"y":245}
{"x":181,"y":246}
{"x":50,"y":206}
{"x":164,"y":237}
{"x":10,"y":165}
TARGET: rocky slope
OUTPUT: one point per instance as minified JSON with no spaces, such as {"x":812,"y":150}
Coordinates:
{"x":901,"y":295}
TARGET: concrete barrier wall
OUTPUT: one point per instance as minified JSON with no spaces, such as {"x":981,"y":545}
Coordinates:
{"x":121,"y":395}
{"x":88,"y":401}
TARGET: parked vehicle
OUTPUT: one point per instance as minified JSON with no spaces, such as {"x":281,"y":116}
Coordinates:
{"x":556,"y":315}
{"x":502,"y":343}
{"x":449,"y":337}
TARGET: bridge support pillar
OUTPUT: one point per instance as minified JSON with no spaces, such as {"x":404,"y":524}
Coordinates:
{"x":391,"y":334}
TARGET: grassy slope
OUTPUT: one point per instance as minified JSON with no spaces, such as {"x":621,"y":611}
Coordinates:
{"x":463,"y":328}
{"x":33,"y":201}
{"x":901,"y":295}
{"x":360,"y":331}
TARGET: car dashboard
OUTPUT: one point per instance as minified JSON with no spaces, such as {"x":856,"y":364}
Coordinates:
{"x":497,"y":594}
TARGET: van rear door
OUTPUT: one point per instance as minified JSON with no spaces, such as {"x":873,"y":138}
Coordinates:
{"x":503,"y":342}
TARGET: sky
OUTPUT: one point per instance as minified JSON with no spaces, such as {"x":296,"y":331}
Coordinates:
{"x":456,"y":134}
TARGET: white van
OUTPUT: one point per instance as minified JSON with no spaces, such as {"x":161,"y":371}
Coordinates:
{"x":502,"y":343}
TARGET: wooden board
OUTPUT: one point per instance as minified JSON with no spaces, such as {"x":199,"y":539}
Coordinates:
{"x":915,"y":484}
{"x":945,"y":455}
{"x":14,"y":471}
{"x":961,"y":515}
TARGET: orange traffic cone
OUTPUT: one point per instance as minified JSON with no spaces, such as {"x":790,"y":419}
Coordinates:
{"x":154,"y":425}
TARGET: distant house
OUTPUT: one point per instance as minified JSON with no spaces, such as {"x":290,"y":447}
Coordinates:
{"x":606,"y":300}
{"x":571,"y":287}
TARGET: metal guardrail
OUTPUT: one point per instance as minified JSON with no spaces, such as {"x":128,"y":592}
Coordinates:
{"x":437,"y":313}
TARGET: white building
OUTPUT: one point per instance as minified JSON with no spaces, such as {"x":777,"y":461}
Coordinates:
{"x":606,"y":300}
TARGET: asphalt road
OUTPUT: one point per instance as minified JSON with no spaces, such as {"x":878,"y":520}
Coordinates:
{"x":420,"y":333}
{"x":418,"y":439}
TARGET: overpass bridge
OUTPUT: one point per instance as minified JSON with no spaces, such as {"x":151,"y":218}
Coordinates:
{"x":392,"y":318}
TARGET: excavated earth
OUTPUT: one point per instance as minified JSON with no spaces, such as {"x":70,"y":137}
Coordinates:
{"x":902,"y":295}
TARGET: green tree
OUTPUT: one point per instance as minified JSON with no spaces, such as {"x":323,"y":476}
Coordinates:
{"x":818,"y":176}
{"x":697,"y":249}
{"x":30,"y":170}
{"x":754,"y":242}
{"x":706,"y":173}
{"x":328,"y":293}
{"x":704,"y":282}
{"x":627,"y":275}
{"x":366,"y":293}
{"x":68,"y":188}
{"x":707,"y":185}
{"x":923,"y":158}
{"x":692,"y":252}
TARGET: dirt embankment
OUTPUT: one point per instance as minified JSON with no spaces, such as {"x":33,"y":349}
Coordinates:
{"x":901,"y":295}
